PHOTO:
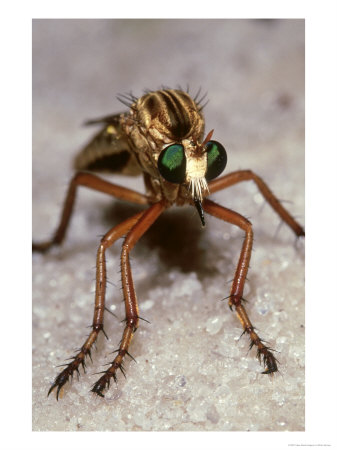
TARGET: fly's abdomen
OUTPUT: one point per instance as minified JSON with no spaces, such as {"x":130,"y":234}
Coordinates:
{"x":108,"y":151}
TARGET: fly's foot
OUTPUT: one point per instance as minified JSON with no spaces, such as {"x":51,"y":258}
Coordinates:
{"x":68,"y":372}
{"x":264,"y":354}
{"x":269,"y":360}
{"x":104,"y":382}
{"x":61,"y":379}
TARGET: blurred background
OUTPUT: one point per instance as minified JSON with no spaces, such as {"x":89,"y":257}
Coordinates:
{"x":253,"y":73}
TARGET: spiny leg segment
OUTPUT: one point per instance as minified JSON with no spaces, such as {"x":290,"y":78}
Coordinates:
{"x":97,"y":323}
{"x":130,"y":298}
{"x":236,"y":293}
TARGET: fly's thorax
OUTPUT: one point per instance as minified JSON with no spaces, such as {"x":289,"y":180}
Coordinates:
{"x":143,"y":146}
{"x":169,"y":113}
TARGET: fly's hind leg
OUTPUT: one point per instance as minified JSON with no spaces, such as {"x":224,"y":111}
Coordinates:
{"x":130,"y":298}
{"x":93,"y":182}
{"x":97,"y":323}
{"x":264,"y":353}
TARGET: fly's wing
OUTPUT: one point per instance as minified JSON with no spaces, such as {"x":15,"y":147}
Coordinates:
{"x":109,"y":150}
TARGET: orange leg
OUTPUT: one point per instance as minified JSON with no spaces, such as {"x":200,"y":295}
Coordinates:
{"x":130,"y":298}
{"x":97,"y":324}
{"x":245,"y":175}
{"x":98,"y":184}
{"x":236,"y":294}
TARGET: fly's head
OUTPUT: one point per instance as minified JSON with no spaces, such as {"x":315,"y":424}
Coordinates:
{"x":191,"y":165}
{"x":167,"y":128}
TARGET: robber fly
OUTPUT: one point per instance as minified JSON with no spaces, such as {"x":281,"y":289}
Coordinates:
{"x":162,"y":138}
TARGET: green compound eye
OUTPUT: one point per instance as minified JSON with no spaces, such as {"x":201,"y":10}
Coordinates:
{"x":216,"y":159}
{"x":172,"y":163}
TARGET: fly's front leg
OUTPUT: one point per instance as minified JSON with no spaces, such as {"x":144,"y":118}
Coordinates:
{"x":130,"y":298}
{"x":93,"y":182}
{"x":97,"y":324}
{"x":245,"y":175}
{"x":236,"y":294}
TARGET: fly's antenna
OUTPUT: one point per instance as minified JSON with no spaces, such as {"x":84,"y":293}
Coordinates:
{"x":207,"y":138}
